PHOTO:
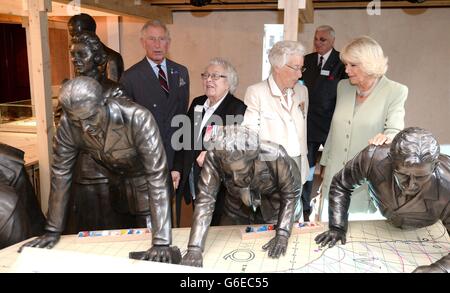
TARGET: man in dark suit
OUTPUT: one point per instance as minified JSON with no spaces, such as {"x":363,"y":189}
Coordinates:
{"x":409,"y":181}
{"x":263,"y":184}
{"x":323,"y":71}
{"x":157,"y":83}
{"x":217,"y":107}
{"x":123,"y":137}
{"x":20,"y":214}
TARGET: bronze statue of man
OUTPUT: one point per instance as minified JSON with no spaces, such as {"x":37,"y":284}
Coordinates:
{"x":90,"y":204}
{"x":122,"y":137}
{"x":409,"y":181}
{"x":20,"y":214}
{"x":114,"y":63}
{"x":263,"y":186}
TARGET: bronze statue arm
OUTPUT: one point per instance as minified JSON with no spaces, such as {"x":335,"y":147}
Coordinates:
{"x":150,"y":148}
{"x":208,"y":185}
{"x":344,"y":182}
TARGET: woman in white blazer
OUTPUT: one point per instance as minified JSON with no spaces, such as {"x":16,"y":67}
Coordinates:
{"x":277,"y":107}
{"x":369,"y":109}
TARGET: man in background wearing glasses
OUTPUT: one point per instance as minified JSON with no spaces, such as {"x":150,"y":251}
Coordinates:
{"x":324,"y":70}
{"x":157,"y":83}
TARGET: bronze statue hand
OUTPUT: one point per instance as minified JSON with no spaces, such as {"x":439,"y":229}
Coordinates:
{"x":331,"y":236}
{"x":193,"y":257}
{"x":433,"y":268}
{"x":440,"y":266}
{"x":276,"y":246}
{"x":48,"y":240}
{"x":159,"y":253}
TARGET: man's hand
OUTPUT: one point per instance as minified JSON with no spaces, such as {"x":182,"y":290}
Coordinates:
{"x":379,"y":139}
{"x":276,"y":246}
{"x":48,"y":240}
{"x":176,"y":176}
{"x":159,"y":253}
{"x":193,"y":257}
{"x":330,"y":237}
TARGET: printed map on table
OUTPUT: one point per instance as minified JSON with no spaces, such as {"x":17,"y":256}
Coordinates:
{"x":372,"y":246}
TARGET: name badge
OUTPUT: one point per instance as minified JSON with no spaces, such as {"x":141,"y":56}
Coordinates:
{"x":198,"y":108}
{"x":325,"y":72}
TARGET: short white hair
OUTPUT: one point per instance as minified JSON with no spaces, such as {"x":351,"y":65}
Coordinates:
{"x":282,"y":50}
{"x":326,"y":28}
{"x":230,"y":72}
{"x":366,"y":52}
{"x":155,"y":23}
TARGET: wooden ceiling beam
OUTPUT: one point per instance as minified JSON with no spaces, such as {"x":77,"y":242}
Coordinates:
{"x":134,"y":8}
{"x":184,"y":5}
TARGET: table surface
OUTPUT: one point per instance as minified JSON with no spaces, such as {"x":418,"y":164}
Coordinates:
{"x":372,"y":246}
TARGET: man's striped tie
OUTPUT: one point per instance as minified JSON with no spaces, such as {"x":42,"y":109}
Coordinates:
{"x":163,"y":80}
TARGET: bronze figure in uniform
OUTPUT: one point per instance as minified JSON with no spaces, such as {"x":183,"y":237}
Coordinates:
{"x":89,"y":205}
{"x":114,"y":63}
{"x":122,"y":137}
{"x":409,"y":181}
{"x":263,"y":185}
{"x":20,"y":214}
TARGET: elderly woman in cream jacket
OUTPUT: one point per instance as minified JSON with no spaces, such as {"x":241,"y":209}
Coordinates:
{"x":277,"y":107}
{"x":369,"y":109}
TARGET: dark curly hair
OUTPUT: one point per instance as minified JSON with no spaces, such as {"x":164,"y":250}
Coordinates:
{"x":233,"y":142}
{"x":414,"y":145}
{"x":91,"y":40}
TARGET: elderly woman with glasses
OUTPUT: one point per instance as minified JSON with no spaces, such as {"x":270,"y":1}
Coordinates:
{"x":277,"y":107}
{"x":369,"y":110}
{"x":218,"y":106}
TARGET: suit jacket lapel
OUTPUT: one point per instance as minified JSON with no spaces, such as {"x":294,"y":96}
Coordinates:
{"x":116,"y":123}
{"x":331,"y":61}
{"x":172,"y":77}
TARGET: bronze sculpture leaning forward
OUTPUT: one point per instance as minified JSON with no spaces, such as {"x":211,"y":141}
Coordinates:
{"x":409,"y":180}
{"x":262,"y":182}
{"x":20,"y":214}
{"x":89,"y":205}
{"x":123,"y":137}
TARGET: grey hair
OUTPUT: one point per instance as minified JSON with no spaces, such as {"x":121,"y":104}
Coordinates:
{"x":230,"y":72}
{"x":414,"y":145}
{"x":155,"y":23}
{"x":278,"y":55}
{"x":326,"y":28}
{"x":366,"y":52}
{"x":80,"y":90}
{"x":233,"y":142}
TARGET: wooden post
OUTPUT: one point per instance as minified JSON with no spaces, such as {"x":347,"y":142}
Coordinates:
{"x":112,"y":28}
{"x":291,"y":8}
{"x":292,"y":16}
{"x":40,"y":79}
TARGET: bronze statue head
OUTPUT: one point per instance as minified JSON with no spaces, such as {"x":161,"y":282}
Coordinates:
{"x":414,"y":153}
{"x":81,"y":22}
{"x":87,"y":53}
{"x":237,"y":148}
{"x":82,"y":101}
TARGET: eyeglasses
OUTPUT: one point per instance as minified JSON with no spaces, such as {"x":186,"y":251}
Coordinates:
{"x":297,"y":68}
{"x":214,"y":76}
